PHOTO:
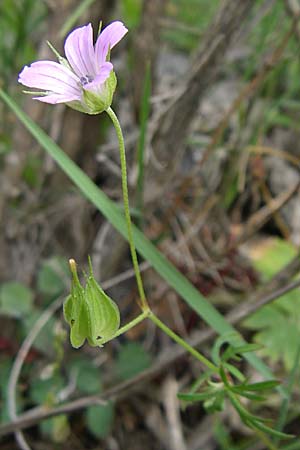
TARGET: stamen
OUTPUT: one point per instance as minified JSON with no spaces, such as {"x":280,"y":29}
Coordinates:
{"x":86,"y":79}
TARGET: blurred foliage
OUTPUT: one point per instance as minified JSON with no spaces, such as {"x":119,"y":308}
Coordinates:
{"x":18,"y":20}
{"x":16,"y":300}
{"x":277,"y":325}
{"x":131,"y":360}
{"x":99,"y":419}
{"x":188,"y":21}
{"x":131,"y":12}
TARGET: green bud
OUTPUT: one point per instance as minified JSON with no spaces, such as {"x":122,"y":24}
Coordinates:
{"x":91,"y":314}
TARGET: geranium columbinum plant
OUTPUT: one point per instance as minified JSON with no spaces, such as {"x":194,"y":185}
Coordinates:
{"x":85,"y":79}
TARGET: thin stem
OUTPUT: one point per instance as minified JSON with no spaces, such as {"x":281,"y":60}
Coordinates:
{"x":130,"y":325}
{"x":183,"y":344}
{"x":144,"y":304}
{"x":115,"y":121}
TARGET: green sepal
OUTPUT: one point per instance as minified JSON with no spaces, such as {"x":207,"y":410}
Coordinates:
{"x":104,"y":313}
{"x":97,"y":102}
{"x":63,"y":61}
{"x":75,"y":311}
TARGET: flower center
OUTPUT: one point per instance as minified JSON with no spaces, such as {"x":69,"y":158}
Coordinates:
{"x":86,"y":79}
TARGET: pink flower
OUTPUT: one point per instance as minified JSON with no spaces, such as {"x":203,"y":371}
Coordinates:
{"x":85,"y":80}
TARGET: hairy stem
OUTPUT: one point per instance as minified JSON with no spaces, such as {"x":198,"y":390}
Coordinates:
{"x":183,"y":343}
{"x":115,"y":121}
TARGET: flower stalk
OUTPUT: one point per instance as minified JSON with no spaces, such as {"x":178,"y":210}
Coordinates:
{"x":143,"y":301}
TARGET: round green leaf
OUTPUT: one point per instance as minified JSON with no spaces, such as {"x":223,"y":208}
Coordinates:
{"x":99,"y":419}
{"x":15,"y":299}
{"x":50,"y":277}
{"x":132,"y":359}
{"x":88,"y":377}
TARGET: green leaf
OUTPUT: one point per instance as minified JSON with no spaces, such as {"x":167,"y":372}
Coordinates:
{"x":240,"y":350}
{"x":216,"y":403}
{"x":57,"y":428}
{"x":50,"y":279}
{"x":262,"y":427}
{"x":45,"y":391}
{"x":132,"y":359}
{"x":284,"y":408}
{"x":278,"y":329}
{"x":200,"y":380}
{"x":272,"y":255}
{"x":111,"y":211}
{"x":261,"y":386}
{"x":243,"y":413}
{"x":234,"y":371}
{"x":75,"y":311}
{"x":278,"y":324}
{"x":104,"y":315}
{"x":249,"y":395}
{"x":16,"y":299}
{"x":88,"y":377}
{"x":197,"y":397}
{"x":230,"y":338}
{"x":46,"y":337}
{"x":100,"y":419}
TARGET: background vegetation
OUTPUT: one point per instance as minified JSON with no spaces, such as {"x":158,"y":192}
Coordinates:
{"x":212,"y":138}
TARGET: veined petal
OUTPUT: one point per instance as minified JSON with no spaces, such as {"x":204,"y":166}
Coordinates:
{"x":107,"y":39}
{"x":79,"y":50}
{"x":105,"y":70}
{"x":57,"y":98}
{"x":50,"y":76}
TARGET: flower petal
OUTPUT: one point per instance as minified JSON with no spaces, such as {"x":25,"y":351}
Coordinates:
{"x":107,"y":39}
{"x":50,"y":76}
{"x":80,"y":52}
{"x":57,"y":98}
{"x":105,"y":70}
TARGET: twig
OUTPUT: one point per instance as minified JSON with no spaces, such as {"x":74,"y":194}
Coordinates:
{"x":18,"y":363}
{"x":169,"y":356}
{"x":245,"y":93}
{"x":293,"y":9}
{"x":171,"y":403}
{"x":259,"y":218}
{"x":169,"y":137}
{"x":269,"y":64}
{"x":278,"y":219}
{"x":262,"y":149}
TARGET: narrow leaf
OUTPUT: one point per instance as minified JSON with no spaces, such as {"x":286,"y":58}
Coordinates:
{"x":197,"y":397}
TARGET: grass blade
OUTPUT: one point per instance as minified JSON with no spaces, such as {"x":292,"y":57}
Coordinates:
{"x":144,"y":115}
{"x":74,"y":16}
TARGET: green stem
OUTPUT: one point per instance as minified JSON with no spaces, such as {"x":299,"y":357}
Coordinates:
{"x":115,"y":121}
{"x":183,"y":344}
{"x":144,"y":304}
{"x":130,"y":325}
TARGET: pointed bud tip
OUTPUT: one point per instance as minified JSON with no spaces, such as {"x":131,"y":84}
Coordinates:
{"x":72,"y":264}
{"x":73,"y":267}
